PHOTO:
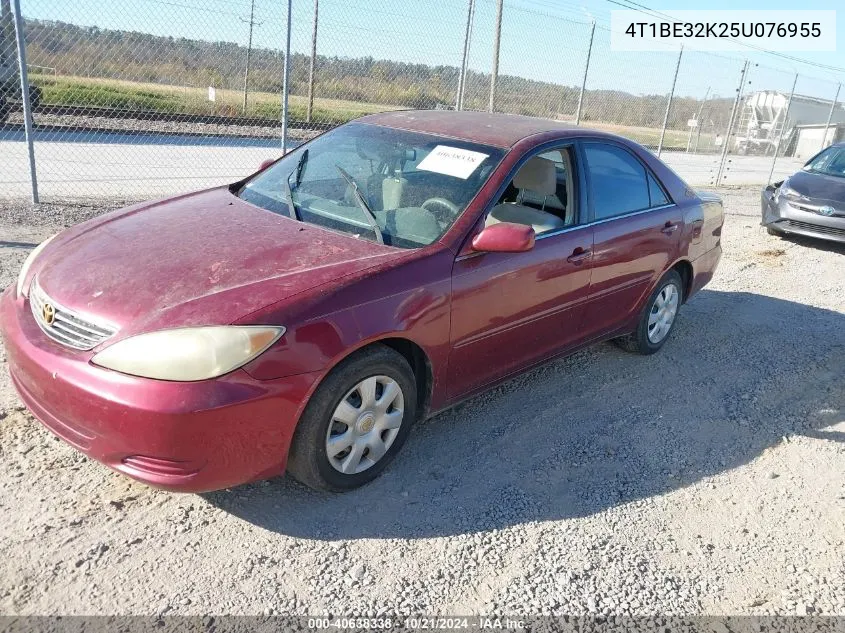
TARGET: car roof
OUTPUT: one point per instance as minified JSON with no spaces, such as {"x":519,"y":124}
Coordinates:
{"x":501,"y":130}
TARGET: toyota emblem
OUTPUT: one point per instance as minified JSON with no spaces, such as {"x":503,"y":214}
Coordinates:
{"x":48,"y":313}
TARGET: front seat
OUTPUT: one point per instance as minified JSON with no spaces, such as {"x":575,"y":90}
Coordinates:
{"x":537,"y":176}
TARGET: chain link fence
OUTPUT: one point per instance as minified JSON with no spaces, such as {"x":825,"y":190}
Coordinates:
{"x":156,"y":97}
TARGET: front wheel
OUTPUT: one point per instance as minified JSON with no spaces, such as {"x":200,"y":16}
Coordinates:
{"x":657,"y":318}
{"x":356,"y":421}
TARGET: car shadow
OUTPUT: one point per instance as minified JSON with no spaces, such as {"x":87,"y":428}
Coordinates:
{"x":591,"y":431}
{"x":815,"y":243}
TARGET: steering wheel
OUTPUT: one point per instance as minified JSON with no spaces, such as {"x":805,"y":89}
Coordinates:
{"x":439,"y":204}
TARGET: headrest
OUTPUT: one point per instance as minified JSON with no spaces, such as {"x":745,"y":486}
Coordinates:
{"x":538,"y":174}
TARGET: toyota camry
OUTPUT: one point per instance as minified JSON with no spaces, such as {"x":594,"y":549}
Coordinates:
{"x":302,"y":319}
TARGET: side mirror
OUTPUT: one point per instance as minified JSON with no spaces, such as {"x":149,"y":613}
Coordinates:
{"x":266,"y":163}
{"x":504,"y":237}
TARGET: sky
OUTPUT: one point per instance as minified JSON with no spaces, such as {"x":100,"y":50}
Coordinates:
{"x":545,"y":40}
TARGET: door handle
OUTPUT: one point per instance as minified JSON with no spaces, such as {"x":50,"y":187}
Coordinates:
{"x":669,"y":228}
{"x":579,"y":255}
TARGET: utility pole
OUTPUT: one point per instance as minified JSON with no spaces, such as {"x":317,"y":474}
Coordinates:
{"x":731,"y":121}
{"x":313,"y":62}
{"x":251,"y":23}
{"x":494,"y":75}
{"x":830,"y":117}
{"x":783,"y":127}
{"x":669,"y":103}
{"x":698,"y":119}
{"x":586,"y":70}
{"x":459,"y":102}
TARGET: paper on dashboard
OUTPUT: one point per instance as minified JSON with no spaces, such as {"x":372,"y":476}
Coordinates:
{"x":452,"y":161}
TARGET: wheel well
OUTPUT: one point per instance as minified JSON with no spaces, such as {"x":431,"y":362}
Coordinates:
{"x":421,"y":366}
{"x":684,"y":269}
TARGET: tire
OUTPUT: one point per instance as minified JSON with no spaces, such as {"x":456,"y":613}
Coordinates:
{"x":371,"y":427}
{"x":640,"y":340}
{"x":771,"y":231}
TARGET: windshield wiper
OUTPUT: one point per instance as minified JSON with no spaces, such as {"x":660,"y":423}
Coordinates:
{"x":300,"y":165}
{"x":362,"y":202}
{"x":297,"y":171}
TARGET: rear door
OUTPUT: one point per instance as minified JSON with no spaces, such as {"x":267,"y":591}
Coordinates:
{"x":636,"y":237}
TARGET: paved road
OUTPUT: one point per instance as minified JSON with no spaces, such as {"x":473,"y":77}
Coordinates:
{"x":129,"y":166}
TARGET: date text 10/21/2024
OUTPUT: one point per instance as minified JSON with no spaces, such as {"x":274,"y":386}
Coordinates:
{"x":422,"y":623}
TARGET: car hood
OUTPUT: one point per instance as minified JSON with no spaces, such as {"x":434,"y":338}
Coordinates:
{"x":200,"y":259}
{"x":820,"y":188}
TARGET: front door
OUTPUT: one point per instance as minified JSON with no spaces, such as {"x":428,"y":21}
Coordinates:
{"x":510,"y":310}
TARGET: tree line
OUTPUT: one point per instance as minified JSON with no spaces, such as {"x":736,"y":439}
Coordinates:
{"x":141,"y":57}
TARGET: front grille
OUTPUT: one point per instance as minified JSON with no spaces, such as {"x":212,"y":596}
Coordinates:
{"x":815,"y":228}
{"x":67,"y":327}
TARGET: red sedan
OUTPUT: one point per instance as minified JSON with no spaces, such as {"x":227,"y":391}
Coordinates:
{"x":304,"y":318}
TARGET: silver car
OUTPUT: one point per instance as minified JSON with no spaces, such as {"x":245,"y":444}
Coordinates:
{"x":810,"y":202}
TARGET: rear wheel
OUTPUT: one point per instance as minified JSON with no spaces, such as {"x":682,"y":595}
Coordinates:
{"x":657,"y":318}
{"x":356,"y":422}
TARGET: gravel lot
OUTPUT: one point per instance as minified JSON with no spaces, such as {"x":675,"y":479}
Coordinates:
{"x":707,"y":479}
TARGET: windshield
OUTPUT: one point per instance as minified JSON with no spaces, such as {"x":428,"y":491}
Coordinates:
{"x":830,"y":162}
{"x":403,"y":188}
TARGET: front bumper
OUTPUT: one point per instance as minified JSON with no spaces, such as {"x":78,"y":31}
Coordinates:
{"x":188,"y":437}
{"x":784,"y":217}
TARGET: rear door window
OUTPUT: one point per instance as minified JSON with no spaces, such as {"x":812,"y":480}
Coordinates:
{"x":618,"y":181}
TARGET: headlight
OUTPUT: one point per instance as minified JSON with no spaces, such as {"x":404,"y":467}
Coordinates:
{"x":185,"y":354}
{"x":27,"y":263}
{"x":789,"y":192}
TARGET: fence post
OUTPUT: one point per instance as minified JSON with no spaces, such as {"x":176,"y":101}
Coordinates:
{"x":783,"y":127}
{"x":496,"y":42}
{"x":586,"y":70}
{"x":830,"y":117}
{"x":731,"y":123}
{"x":459,"y":101}
{"x":669,"y":103}
{"x":27,"y":106}
{"x":313,"y":62}
{"x":286,"y":84}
